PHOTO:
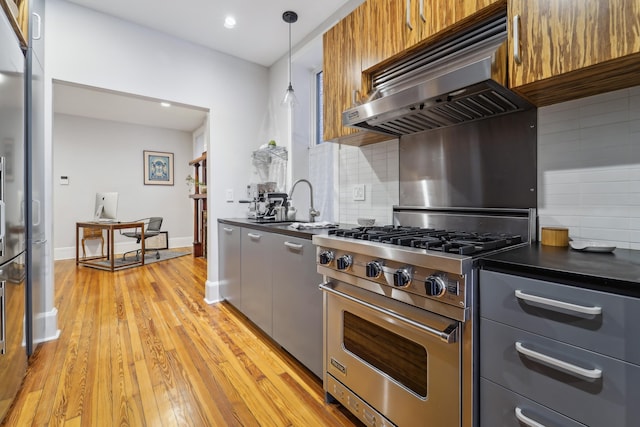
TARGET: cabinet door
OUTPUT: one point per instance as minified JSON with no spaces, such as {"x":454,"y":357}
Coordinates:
{"x":229,"y":264}
{"x":342,"y":76}
{"x":392,"y":26}
{"x":256,"y":268}
{"x":297,"y":301}
{"x":559,"y":37}
{"x":465,"y":8}
{"x":438,"y":15}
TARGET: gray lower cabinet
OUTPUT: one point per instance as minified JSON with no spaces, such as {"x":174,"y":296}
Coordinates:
{"x":256,"y":267}
{"x":556,"y":355}
{"x":229,"y":263}
{"x":271,"y":278}
{"x":297,"y":300}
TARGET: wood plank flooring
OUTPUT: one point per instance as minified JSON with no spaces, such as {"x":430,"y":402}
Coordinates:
{"x":140,"y":347}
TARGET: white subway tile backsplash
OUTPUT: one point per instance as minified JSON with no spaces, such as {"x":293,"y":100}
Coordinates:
{"x":605,"y":222}
{"x":553,"y":138}
{"x":612,"y":187}
{"x":595,"y":142}
{"x":562,"y":189}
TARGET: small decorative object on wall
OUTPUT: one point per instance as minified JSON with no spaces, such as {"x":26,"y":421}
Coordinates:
{"x":158,"y":168}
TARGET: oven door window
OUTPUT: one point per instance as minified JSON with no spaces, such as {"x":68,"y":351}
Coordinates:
{"x":399,"y":358}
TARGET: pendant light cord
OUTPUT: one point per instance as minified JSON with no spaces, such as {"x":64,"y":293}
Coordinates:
{"x":290,"y":87}
{"x":289,"y":17}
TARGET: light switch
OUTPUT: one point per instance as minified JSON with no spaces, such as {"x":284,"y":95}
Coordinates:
{"x":64,"y":180}
{"x":358,"y":192}
{"x":229,"y":194}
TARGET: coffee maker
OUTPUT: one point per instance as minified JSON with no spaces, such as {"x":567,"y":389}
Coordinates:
{"x":265,"y":203}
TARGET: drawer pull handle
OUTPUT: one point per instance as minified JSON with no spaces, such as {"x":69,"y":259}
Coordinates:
{"x":254,"y":236}
{"x":526,"y":420}
{"x":295,"y":246}
{"x":228,"y":230}
{"x":591,"y":374}
{"x":595,"y":310}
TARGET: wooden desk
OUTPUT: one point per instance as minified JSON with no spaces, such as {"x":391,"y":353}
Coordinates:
{"x":110,"y":227}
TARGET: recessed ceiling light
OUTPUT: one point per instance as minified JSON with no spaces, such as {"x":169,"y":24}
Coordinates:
{"x":165,"y":104}
{"x":229,"y":22}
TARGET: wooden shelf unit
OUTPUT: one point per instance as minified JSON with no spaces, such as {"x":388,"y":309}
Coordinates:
{"x":199,"y":207}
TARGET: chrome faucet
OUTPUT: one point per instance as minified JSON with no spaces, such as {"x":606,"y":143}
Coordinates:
{"x":312,"y":212}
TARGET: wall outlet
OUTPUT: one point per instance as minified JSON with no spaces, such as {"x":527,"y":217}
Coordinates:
{"x":358,"y":192}
{"x":229,"y":195}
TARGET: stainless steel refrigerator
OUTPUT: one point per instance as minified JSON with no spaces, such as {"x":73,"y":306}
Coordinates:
{"x":13,"y":338}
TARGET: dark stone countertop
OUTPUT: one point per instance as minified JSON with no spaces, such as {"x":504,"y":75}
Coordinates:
{"x":617,"y":272}
{"x":279,"y":228}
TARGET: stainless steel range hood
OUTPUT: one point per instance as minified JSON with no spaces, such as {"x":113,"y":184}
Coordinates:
{"x":458,"y":80}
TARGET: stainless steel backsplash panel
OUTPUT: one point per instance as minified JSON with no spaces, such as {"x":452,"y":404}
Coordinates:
{"x":490,"y":163}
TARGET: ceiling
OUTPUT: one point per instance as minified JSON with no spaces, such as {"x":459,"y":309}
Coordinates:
{"x":260,"y":36}
{"x":84,"y":101}
{"x":200,"y":22}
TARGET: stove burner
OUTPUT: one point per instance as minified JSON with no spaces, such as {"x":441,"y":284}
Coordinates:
{"x":458,"y":242}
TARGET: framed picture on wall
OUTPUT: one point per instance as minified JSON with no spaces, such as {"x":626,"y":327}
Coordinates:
{"x":158,"y":168}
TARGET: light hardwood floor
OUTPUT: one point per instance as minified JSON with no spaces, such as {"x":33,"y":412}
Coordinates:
{"x":140,"y":347}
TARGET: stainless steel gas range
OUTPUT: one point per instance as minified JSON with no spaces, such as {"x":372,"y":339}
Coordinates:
{"x":399,"y":326}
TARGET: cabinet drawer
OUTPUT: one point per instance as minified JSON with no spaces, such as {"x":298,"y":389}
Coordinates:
{"x":606,"y":399}
{"x":498,"y":407}
{"x":563,"y":313}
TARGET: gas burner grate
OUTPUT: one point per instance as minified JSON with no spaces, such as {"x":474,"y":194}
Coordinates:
{"x":458,"y":242}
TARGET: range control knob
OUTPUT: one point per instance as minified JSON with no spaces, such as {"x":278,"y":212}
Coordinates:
{"x":402,"y":277}
{"x":374,"y":269}
{"x":344,"y":262}
{"x":435,"y":286}
{"x":326,"y":257}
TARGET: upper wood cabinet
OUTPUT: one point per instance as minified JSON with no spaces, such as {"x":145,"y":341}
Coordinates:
{"x":396,"y":27}
{"x":18,"y":13}
{"x":377,"y":33}
{"x":573,"y":48}
{"x":343,"y":84}
{"x":342,"y":75}
{"x":392,"y":27}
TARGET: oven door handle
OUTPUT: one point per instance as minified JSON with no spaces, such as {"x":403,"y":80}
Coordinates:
{"x":448,"y":336}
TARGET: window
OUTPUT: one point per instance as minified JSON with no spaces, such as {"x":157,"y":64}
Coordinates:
{"x":319,"y":108}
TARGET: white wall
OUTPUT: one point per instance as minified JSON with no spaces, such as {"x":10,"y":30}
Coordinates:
{"x":589,"y":167}
{"x":100,"y":155}
{"x":93,"y":49}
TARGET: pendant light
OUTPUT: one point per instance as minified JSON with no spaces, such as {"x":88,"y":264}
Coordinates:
{"x":289,"y":99}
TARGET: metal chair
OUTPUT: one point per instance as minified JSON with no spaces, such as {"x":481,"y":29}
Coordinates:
{"x":152,"y":228}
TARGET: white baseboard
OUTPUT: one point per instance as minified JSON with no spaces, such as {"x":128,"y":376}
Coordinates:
{"x":45,"y":326}
{"x":211,"y":292}
{"x":93,"y":248}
